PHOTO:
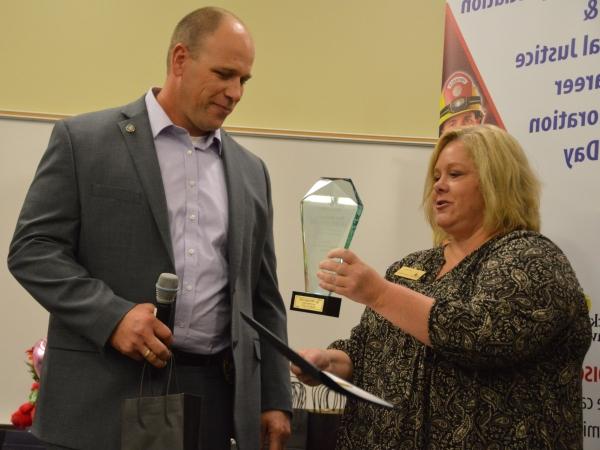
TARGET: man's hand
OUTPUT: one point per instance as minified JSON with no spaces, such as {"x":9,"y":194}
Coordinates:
{"x":275,"y":429}
{"x":140,"y":335}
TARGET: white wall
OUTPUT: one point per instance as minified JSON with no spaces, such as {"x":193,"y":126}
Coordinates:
{"x":388,"y":177}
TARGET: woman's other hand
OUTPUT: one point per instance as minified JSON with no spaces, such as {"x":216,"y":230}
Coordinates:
{"x":318,"y":358}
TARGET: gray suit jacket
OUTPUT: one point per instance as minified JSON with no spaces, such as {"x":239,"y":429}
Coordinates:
{"x":90,"y":242}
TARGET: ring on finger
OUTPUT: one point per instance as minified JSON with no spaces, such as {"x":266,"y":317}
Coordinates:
{"x":146,"y":352}
{"x":151,"y":356}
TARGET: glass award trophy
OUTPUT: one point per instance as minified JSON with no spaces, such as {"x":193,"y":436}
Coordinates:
{"x":329,"y":211}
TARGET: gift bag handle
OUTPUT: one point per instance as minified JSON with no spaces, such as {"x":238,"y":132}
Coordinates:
{"x":171,"y":374}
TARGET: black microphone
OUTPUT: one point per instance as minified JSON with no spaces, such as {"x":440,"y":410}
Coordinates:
{"x":166,"y":291}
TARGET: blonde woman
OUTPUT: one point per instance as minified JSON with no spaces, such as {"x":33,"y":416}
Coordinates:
{"x":479,"y":341}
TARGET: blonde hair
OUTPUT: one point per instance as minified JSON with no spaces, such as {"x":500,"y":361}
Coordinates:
{"x":509,"y":187}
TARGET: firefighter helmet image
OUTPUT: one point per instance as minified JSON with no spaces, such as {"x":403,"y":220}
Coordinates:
{"x":460,"y":103}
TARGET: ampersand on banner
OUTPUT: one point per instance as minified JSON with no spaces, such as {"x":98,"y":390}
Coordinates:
{"x":592,"y":10}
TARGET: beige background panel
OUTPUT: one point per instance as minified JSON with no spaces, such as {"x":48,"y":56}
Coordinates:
{"x":388,"y":176}
{"x":330,"y":66}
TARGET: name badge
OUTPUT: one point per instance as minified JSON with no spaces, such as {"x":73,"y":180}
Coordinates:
{"x":409,"y":273}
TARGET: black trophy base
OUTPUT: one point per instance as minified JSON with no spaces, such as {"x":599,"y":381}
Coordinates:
{"x":324,"y":305}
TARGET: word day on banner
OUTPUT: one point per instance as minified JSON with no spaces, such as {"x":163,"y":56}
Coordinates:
{"x":536,"y":68}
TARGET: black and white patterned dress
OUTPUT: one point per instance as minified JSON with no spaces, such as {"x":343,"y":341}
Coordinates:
{"x":509,"y":331}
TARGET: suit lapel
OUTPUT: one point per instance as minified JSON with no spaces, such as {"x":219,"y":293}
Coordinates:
{"x":138,"y":137}
{"x":236,"y":196}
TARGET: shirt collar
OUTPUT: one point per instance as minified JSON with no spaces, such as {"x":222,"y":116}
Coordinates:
{"x":160,"y":121}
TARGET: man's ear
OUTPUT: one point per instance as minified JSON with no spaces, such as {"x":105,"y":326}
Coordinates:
{"x":178,"y":56}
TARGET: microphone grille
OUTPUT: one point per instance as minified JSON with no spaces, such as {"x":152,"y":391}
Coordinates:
{"x":166,"y":287}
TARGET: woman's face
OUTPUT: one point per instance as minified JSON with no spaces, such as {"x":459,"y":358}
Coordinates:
{"x":457,"y":201}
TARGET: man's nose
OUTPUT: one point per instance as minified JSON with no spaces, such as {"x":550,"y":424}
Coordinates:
{"x":234,"y":91}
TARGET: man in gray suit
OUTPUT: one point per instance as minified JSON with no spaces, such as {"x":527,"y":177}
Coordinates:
{"x":125,"y":194}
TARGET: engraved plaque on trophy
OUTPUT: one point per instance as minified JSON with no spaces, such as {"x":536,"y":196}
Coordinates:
{"x":329,"y":212}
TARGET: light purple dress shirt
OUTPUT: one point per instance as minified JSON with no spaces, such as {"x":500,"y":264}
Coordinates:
{"x":194,"y":182}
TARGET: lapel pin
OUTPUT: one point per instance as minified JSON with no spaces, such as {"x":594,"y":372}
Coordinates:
{"x":130,"y":128}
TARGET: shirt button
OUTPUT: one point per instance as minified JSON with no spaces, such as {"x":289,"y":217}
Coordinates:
{"x":192,"y":216}
{"x":188,"y":287}
{"x":179,"y":324}
{"x":191,"y":251}
{"x":192,"y":183}
{"x":189,"y":152}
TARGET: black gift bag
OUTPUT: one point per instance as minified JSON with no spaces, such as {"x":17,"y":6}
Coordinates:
{"x":322,"y":428}
{"x":315,"y":428}
{"x":159,"y":422}
{"x":299,"y":424}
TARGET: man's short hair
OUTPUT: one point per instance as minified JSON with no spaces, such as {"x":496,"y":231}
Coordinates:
{"x":195,"y":27}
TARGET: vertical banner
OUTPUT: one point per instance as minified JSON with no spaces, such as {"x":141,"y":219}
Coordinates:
{"x":533,"y":68}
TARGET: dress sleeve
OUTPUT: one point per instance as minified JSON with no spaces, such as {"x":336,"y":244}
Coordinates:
{"x":354,"y":346}
{"x":523,"y":297}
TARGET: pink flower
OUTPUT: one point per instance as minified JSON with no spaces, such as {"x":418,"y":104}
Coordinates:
{"x":23,"y":417}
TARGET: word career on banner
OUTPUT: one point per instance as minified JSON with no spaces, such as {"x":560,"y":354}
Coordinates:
{"x":577,"y":84}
